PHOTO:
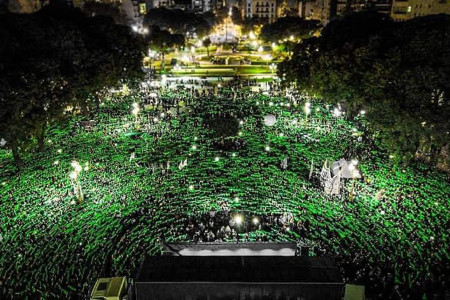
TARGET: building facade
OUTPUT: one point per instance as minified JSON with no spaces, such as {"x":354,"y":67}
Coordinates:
{"x":323,"y":10}
{"x":326,"y":10}
{"x":263,"y":9}
{"x":403,"y":10}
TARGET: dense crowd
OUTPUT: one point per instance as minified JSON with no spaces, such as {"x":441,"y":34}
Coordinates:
{"x":162,"y":173}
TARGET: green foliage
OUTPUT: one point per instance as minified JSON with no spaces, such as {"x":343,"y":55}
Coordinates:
{"x":207,"y":43}
{"x":285,"y":27}
{"x":94,"y":8}
{"x":177,"y":21}
{"x":397,"y":72}
{"x":248,"y":24}
{"x":163,"y":40}
{"x":54,"y":59}
{"x":236,"y":16}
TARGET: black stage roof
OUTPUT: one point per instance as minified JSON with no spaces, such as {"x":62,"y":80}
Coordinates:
{"x":238,"y":277}
{"x":238,"y":269}
{"x":245,"y":273}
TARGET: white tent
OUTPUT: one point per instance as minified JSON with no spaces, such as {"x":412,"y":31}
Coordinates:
{"x":347,"y":170}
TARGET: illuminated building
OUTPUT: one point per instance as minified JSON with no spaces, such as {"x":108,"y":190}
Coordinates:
{"x":403,"y":10}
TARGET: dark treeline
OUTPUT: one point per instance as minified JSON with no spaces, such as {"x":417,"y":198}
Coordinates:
{"x":286,"y":27}
{"x":397,"y":72}
{"x":56,"y":59}
{"x":177,"y":21}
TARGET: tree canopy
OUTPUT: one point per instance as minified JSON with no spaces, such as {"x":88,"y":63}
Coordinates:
{"x":177,"y":21}
{"x":56,"y":59}
{"x":397,"y":72}
{"x":285,"y":27}
{"x":162,"y":40}
{"x":94,"y":8}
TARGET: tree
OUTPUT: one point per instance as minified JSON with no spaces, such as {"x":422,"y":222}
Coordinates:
{"x":236,"y":16}
{"x":286,"y":27}
{"x":207,"y":43}
{"x":397,"y":72}
{"x":94,"y":8}
{"x":162,"y":40}
{"x":210,"y":17}
{"x":248,"y":24}
{"x":55,"y":59}
{"x":177,"y":21}
{"x":298,"y":68}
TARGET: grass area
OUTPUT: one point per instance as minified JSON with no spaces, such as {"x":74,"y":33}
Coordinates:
{"x":216,"y":70}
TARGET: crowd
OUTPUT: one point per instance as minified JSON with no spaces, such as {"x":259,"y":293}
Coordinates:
{"x":161,"y":173}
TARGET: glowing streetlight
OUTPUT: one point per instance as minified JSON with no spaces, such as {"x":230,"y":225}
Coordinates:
{"x":238,"y":219}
